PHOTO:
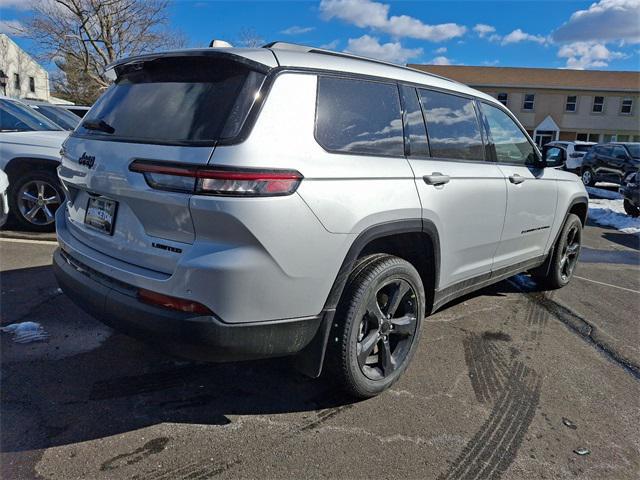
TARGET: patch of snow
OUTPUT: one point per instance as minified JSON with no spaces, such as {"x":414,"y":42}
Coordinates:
{"x":602,"y":193}
{"x":26,"y":332}
{"x":610,"y":213}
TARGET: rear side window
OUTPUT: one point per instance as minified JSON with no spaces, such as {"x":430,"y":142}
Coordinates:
{"x":452,"y":125}
{"x":190,"y":100}
{"x":357,"y":116}
{"x":414,"y":123}
{"x":582,"y":148}
{"x":511,"y":144}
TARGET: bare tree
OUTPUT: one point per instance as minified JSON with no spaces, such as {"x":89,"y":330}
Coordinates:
{"x":83,"y":36}
{"x":249,"y":38}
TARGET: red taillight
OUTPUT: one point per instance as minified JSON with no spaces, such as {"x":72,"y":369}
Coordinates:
{"x":172,"y":303}
{"x":218,"y":180}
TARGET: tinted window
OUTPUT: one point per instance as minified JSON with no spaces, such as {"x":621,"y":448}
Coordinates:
{"x":59,"y":116}
{"x":414,"y":122}
{"x":452,"y":125}
{"x":511,"y":144}
{"x":619,"y":152}
{"x":582,"y":148}
{"x":603,"y":150}
{"x":187,"y":99}
{"x":358,"y":116}
{"x":16,"y":117}
{"x":634,"y":150}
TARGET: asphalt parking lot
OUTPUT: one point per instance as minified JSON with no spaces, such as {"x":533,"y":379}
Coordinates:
{"x":509,"y":382}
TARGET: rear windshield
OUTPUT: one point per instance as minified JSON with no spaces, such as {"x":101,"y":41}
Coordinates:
{"x":582,"y":148}
{"x":60,"y":116}
{"x":185,"y":100}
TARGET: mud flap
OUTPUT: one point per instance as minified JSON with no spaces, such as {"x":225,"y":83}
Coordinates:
{"x":309,"y":360}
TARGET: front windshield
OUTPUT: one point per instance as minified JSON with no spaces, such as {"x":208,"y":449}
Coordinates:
{"x":16,"y":117}
{"x":60,"y":116}
{"x":634,"y":149}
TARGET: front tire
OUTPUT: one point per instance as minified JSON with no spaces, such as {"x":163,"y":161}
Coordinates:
{"x":377,"y":325}
{"x":631,"y":209}
{"x":565,"y":256}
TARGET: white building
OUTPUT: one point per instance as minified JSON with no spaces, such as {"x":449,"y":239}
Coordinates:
{"x":20,"y":75}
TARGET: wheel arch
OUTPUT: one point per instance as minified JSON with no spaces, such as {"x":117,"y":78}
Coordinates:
{"x":18,"y":165}
{"x":414,"y":240}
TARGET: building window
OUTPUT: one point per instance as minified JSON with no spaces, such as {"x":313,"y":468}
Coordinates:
{"x":572,"y":101}
{"x":16,"y":81}
{"x":32,"y":85}
{"x":598,"y":105}
{"x":622,"y":138}
{"x":502,"y":98}
{"x":609,"y":138}
{"x":594,"y":137}
{"x":626,"y":108}
{"x":588,"y":137}
{"x":529,"y":100}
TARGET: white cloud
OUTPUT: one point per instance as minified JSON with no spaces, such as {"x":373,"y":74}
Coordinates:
{"x":332,"y":45}
{"x":375,"y":15}
{"x":442,"y":60}
{"x":491,"y":63}
{"x":606,"y":20}
{"x":390,"y":52}
{"x":495,"y":38}
{"x":440,"y":50}
{"x":17,"y":4}
{"x":482,"y":29}
{"x":518,"y":36}
{"x":11,"y":27}
{"x":581,"y":55}
{"x":296,"y":30}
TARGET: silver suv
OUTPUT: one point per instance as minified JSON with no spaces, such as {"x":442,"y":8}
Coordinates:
{"x":249,"y":203}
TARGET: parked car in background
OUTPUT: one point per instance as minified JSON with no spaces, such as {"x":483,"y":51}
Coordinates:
{"x":78,"y":110}
{"x":610,"y":162}
{"x":630,"y":190}
{"x":571,"y":153}
{"x":29,"y":154}
{"x":60,"y":116}
{"x":4,"y":202}
{"x":295,"y":201}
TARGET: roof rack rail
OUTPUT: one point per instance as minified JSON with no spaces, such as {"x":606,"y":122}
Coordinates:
{"x":306,"y":49}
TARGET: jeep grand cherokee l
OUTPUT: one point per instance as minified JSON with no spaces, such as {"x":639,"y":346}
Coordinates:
{"x":285,"y":200}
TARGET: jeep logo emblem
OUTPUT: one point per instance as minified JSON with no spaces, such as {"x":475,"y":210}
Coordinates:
{"x":87,"y":160}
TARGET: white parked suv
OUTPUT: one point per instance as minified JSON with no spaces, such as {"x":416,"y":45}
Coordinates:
{"x":29,"y":154}
{"x":249,"y":203}
{"x":568,"y":154}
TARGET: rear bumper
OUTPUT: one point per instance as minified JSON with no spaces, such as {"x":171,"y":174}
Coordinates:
{"x":197,"y":337}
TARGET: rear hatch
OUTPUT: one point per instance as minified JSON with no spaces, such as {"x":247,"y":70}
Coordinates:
{"x":170,"y":108}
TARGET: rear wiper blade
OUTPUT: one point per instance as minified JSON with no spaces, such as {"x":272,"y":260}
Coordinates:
{"x":99,"y":125}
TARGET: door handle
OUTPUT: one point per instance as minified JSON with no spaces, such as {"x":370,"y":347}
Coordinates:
{"x":516,"y":179}
{"x":436,"y":178}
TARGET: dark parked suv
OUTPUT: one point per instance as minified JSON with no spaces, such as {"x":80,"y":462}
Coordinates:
{"x":610,"y":162}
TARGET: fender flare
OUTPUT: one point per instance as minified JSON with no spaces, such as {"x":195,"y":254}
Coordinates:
{"x":311,"y":359}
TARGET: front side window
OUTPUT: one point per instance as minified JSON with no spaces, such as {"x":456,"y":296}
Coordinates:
{"x":511,"y":144}
{"x":358,"y":116}
{"x":529,"y":101}
{"x":598,"y":104}
{"x":503,"y":98}
{"x":619,"y":152}
{"x":572,"y":101}
{"x":452,"y":126}
{"x":626,"y":108}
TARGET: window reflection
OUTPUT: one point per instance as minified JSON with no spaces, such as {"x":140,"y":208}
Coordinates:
{"x":452,"y":126}
{"x":510,"y":143}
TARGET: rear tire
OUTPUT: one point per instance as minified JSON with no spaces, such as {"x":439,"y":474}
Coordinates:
{"x":564,"y":258}
{"x":377,"y":325}
{"x":588,"y":177}
{"x":631,"y":209}
{"x":34,"y":198}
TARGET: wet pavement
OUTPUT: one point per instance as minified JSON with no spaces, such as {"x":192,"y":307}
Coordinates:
{"x":508,"y":382}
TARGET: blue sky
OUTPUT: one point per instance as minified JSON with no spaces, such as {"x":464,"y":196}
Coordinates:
{"x":555,"y":34}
